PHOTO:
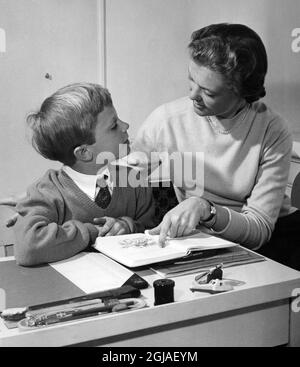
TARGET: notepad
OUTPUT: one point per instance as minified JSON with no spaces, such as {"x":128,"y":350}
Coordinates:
{"x":137,"y":249}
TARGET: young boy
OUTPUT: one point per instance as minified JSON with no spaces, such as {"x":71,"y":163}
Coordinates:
{"x":61,"y":213}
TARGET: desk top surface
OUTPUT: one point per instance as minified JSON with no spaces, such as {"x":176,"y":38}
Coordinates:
{"x":264,"y":282}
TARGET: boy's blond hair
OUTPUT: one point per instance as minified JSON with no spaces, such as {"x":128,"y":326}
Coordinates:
{"x":67,"y":119}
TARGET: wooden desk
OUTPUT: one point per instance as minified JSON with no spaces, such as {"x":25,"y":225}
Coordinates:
{"x":258,"y":313}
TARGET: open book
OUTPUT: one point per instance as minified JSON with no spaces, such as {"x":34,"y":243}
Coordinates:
{"x":141,"y":249}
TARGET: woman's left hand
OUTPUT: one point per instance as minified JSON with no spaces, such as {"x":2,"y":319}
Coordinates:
{"x":182,"y":220}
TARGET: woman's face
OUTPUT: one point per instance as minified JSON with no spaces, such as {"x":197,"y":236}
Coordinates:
{"x":210,"y":93}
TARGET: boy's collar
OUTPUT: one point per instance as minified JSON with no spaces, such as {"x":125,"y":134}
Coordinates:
{"x":85,"y":177}
{"x":87,"y":183}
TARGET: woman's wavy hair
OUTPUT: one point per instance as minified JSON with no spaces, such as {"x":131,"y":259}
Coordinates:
{"x":236,"y":52}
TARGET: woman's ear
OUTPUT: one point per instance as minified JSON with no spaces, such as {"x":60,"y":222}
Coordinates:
{"x":83,"y":153}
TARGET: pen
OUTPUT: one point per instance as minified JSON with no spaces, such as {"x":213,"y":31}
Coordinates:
{"x":125,"y":291}
{"x":65,"y":308}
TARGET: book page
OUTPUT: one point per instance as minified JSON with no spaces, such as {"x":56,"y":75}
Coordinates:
{"x":137,"y":249}
{"x":200,"y":241}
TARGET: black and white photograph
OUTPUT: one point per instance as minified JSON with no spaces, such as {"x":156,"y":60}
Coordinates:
{"x":150,"y":177}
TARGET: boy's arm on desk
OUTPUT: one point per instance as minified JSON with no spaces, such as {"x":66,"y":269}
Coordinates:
{"x":39,"y":237}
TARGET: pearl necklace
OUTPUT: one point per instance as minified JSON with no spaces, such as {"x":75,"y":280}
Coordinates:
{"x":219,"y":130}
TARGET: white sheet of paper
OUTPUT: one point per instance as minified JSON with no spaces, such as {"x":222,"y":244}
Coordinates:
{"x":92,"y":272}
{"x":198,"y":240}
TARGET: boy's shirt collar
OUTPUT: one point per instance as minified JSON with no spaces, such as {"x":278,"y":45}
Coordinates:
{"x":88,"y":183}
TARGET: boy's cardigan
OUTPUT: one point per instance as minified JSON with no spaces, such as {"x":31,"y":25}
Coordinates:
{"x":56,"y":218}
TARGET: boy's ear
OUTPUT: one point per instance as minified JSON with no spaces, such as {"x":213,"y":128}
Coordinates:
{"x":83,"y":153}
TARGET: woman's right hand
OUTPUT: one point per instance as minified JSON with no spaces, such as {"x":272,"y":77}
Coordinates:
{"x":182,"y":220}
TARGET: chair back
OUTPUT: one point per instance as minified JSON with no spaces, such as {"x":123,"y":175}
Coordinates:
{"x":295,"y":194}
{"x":7,"y":238}
{"x":164,"y":199}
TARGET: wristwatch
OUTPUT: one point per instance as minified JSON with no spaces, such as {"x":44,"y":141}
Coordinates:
{"x":213,"y":212}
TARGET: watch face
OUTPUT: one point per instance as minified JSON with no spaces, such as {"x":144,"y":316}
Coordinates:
{"x":213,"y":212}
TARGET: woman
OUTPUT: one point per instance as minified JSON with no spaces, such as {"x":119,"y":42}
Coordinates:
{"x":246,"y":145}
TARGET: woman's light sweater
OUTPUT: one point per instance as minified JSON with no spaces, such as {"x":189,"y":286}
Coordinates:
{"x":244,"y":169}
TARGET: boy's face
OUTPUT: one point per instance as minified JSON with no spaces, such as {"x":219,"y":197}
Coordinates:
{"x":111,"y":138}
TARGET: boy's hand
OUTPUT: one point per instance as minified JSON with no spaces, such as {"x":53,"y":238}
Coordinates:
{"x":12,"y":201}
{"x":12,"y":220}
{"x":112,"y":226}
